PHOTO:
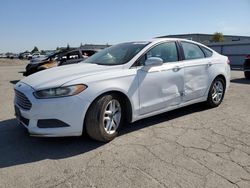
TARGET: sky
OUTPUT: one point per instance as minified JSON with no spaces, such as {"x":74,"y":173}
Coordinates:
{"x":48,"y":24}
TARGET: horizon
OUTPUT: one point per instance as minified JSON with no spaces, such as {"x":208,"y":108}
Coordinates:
{"x":52,"y":24}
{"x":113,"y":44}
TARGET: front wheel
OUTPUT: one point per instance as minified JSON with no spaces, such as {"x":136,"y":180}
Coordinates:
{"x":216,"y":93}
{"x":104,"y":118}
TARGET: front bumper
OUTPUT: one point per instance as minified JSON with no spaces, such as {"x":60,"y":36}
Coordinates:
{"x":69,"y":110}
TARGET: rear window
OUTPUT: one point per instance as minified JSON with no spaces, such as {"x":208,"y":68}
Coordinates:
{"x":192,"y":51}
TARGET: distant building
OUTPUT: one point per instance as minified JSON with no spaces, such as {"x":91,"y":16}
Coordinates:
{"x":206,"y":38}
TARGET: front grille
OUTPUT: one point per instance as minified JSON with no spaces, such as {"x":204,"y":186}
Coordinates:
{"x":22,"y":100}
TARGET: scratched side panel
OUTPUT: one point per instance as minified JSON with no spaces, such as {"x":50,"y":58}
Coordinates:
{"x":196,"y":79}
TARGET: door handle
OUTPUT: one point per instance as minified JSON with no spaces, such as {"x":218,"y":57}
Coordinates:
{"x":176,"y":69}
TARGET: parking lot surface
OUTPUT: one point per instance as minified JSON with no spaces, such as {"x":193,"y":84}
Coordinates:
{"x":189,"y":147}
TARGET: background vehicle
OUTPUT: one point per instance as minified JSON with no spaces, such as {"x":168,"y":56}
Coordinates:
{"x":11,"y":55}
{"x":246,"y":67}
{"x":57,"y":59}
{"x":37,"y":55}
{"x":75,"y":56}
{"x":3,"y":55}
{"x":123,"y":83}
{"x":25,"y":55}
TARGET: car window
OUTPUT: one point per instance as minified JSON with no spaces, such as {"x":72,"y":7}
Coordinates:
{"x":166,"y":51}
{"x":207,"y":52}
{"x":192,"y":51}
{"x":117,"y":54}
{"x":88,"y":52}
{"x":72,"y":55}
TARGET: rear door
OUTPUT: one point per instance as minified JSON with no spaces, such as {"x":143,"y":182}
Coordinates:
{"x":196,"y":76}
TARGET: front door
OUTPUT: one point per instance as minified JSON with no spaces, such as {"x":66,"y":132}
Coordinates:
{"x":161,"y":86}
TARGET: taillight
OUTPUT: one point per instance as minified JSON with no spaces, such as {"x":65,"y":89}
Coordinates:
{"x":248,"y":56}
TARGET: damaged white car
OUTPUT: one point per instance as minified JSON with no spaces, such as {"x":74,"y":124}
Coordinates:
{"x":123,"y":83}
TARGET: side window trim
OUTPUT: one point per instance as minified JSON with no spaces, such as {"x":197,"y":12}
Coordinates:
{"x":202,"y":49}
{"x":180,"y":51}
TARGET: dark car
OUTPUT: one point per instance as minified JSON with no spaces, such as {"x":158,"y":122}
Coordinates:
{"x":246,"y":67}
{"x":59,"y":59}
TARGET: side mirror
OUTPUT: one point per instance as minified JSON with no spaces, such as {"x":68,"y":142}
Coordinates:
{"x":153,"y":61}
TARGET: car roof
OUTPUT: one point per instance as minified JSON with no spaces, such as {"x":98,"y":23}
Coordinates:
{"x":162,"y":39}
{"x":170,"y":39}
{"x":156,"y":40}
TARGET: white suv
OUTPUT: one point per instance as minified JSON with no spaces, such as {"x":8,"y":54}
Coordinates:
{"x":123,"y":83}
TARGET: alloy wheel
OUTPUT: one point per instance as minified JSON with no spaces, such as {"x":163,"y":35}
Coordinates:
{"x":217,"y":92}
{"x":112,"y":116}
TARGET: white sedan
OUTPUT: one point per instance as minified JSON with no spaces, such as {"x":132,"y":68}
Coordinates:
{"x":123,"y":83}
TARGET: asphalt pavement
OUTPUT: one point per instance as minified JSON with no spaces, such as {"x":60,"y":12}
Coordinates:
{"x":189,"y":147}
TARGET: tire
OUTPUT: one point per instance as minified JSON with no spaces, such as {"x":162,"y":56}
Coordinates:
{"x":104,"y":118}
{"x":247,"y":74}
{"x":216,"y":93}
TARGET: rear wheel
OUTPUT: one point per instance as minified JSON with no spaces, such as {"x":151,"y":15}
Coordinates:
{"x":247,"y":74}
{"x":104,"y":118}
{"x":216,"y":93}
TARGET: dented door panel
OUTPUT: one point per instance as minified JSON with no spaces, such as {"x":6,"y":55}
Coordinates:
{"x":160,"y":87}
{"x":196,"y":78}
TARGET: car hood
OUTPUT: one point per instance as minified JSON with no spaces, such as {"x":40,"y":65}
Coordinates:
{"x":57,"y":76}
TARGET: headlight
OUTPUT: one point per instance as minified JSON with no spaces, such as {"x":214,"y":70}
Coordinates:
{"x":60,"y":91}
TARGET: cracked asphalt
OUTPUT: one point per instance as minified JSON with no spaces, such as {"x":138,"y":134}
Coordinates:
{"x":189,"y":147}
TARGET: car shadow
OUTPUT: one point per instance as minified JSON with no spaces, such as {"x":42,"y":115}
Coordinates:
{"x":240,"y":81}
{"x":164,"y":117}
{"x":14,"y":81}
{"x":17,"y":147}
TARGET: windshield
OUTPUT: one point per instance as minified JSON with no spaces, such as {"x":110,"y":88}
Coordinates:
{"x":117,"y":54}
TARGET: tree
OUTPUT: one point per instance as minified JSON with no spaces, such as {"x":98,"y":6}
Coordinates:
{"x":68,"y":47}
{"x":217,"y":37}
{"x":35,"y":50}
